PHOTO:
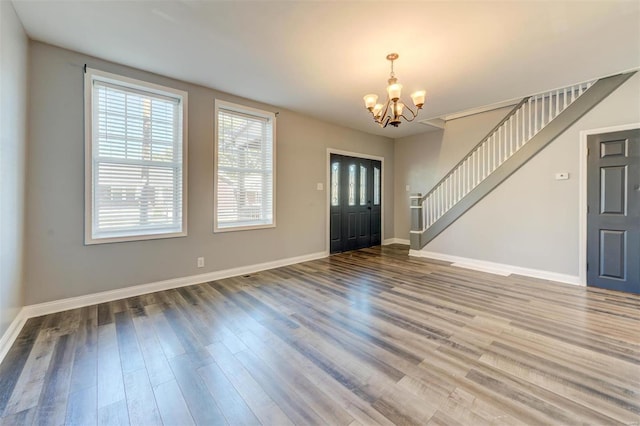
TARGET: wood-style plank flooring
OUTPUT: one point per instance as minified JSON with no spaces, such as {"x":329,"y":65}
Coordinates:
{"x":360,"y":338}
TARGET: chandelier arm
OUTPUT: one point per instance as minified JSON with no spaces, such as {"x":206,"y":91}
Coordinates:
{"x":408,"y":120}
{"x":384,"y":123}
{"x":415,"y":114}
{"x":386,"y":108}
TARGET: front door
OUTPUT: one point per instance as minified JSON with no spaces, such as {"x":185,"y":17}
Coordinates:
{"x":356,"y":203}
{"x":613,"y":218}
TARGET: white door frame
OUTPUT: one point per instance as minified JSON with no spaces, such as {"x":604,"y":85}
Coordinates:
{"x":582,"y":198}
{"x":330,"y":151}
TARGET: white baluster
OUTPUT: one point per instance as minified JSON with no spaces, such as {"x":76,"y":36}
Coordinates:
{"x":557,"y":103}
{"x":580,"y":90}
{"x":529,"y":108}
{"x":485,"y":160}
{"x":431,"y":209}
{"x":505,"y":147}
{"x":458,"y":182}
{"x":535,"y":117}
{"x":486,"y":149}
{"x":425,"y":213}
{"x":523,"y":125}
{"x":549,"y":108}
{"x":455,"y":186}
{"x":493,"y":152}
{"x":564,"y":98}
{"x":464,"y":179}
{"x":453,"y":189}
{"x":445,"y":197}
{"x":476,"y":167}
{"x":479,"y":170}
{"x":573,"y":93}
{"x":517,"y":129}
{"x":510,"y":136}
{"x":499,"y":146}
{"x":481,"y":155}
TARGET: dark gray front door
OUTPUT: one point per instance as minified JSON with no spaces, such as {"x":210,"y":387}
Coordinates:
{"x":613,"y":218}
{"x":355,"y":197}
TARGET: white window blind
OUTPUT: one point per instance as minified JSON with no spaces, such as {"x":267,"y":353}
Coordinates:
{"x":137,"y":147}
{"x":244,"y":160}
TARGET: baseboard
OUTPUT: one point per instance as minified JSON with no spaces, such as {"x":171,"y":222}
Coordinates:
{"x":11,"y":334}
{"x":395,"y":241}
{"x":46,"y":308}
{"x":497,"y":268}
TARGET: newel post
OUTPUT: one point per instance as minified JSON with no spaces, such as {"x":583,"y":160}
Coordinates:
{"x":417,"y":223}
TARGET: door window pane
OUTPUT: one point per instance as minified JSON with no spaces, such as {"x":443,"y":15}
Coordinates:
{"x":335,"y":184}
{"x":352,"y":185}
{"x":363,"y":186}
{"x":376,"y":186}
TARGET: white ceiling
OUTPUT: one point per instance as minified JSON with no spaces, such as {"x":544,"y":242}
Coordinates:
{"x":320,"y":58}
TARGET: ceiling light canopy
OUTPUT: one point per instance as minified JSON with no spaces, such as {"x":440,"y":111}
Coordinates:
{"x":390,"y":112}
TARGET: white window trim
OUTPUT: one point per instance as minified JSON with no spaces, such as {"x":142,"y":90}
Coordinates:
{"x":229,"y":106}
{"x":90,"y":74}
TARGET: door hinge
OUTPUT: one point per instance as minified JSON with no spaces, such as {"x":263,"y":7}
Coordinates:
{"x":587,"y":266}
{"x":588,"y":152}
{"x":587,"y":209}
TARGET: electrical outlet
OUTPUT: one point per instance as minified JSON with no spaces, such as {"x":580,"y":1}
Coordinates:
{"x":201,"y":262}
{"x":562,"y":176}
{"x":319,"y":186}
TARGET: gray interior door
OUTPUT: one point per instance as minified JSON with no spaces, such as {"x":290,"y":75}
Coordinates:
{"x":613,"y":218}
{"x":355,"y":196}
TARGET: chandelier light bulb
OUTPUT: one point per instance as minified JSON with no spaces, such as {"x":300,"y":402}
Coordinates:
{"x":394,"y":90}
{"x":418,"y":98}
{"x":397,"y":109}
{"x":377,"y":109}
{"x":370,"y":101}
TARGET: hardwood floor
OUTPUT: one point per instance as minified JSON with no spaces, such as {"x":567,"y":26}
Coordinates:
{"x":367,"y":337}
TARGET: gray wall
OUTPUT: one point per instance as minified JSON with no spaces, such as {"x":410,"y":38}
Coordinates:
{"x":422,"y":160}
{"x":60,"y":266}
{"x":531,"y":220}
{"x":416,"y":159}
{"x":13,"y":138}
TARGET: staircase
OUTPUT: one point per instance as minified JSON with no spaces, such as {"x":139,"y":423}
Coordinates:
{"x":530,"y":126}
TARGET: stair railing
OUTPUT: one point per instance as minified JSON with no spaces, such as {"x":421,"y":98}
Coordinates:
{"x":524,"y":121}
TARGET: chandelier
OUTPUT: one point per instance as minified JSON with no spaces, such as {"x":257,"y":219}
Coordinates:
{"x":393,"y":109}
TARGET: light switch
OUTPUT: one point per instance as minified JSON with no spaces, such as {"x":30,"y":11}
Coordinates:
{"x":319,"y":186}
{"x":407,"y":188}
{"x":562,"y":176}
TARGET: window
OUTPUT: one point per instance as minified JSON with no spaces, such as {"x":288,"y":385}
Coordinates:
{"x":335,"y":184}
{"x":135,"y":178}
{"x":363,"y":186}
{"x":244,"y":183}
{"x":376,"y":186}
{"x":352,"y":184}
